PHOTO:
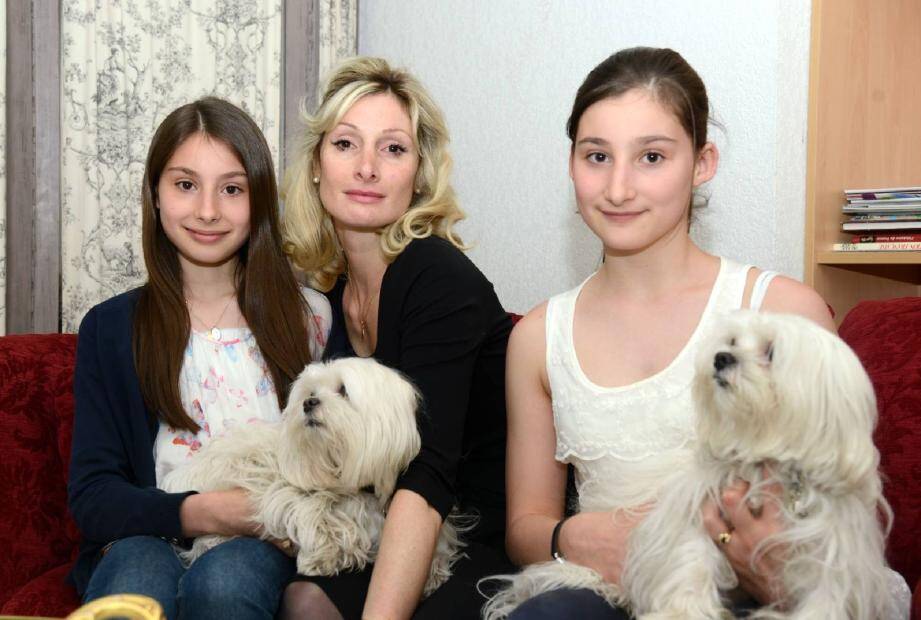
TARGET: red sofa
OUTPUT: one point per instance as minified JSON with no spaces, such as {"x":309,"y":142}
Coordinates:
{"x":38,"y":538}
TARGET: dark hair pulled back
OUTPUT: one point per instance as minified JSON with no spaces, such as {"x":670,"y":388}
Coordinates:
{"x":661,"y":72}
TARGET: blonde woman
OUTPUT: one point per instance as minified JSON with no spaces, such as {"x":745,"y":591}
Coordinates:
{"x":369,"y":217}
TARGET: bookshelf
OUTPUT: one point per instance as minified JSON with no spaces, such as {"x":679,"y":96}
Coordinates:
{"x":864,"y":130}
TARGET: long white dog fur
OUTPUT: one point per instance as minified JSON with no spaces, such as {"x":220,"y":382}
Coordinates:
{"x":772,"y":393}
{"x":323,"y":476}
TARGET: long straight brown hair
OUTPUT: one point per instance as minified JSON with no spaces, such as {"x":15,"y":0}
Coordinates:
{"x":267,"y":292}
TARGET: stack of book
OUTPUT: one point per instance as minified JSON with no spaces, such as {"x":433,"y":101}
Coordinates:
{"x":887,"y":219}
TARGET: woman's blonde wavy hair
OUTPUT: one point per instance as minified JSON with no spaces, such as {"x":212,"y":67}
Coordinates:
{"x":310,"y":239}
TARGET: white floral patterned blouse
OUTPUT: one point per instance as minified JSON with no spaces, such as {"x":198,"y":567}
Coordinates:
{"x":226,"y":383}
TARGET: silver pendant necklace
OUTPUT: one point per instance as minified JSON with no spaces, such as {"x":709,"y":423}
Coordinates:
{"x":213,"y":332}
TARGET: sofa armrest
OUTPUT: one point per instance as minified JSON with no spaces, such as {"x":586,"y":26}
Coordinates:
{"x":886,"y":335}
{"x":49,"y":595}
{"x":36,"y":414}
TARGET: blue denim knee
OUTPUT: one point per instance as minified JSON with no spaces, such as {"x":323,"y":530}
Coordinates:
{"x":145,"y":565}
{"x":240,"y":578}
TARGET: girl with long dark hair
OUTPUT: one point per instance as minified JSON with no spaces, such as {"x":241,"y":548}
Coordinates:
{"x":212,"y":340}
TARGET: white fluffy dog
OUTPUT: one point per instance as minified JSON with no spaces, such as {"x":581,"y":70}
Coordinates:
{"x":323,"y":476}
{"x":773,"y":393}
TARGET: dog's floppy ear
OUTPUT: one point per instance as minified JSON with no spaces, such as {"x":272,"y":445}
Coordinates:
{"x":383,"y":437}
{"x":827,"y":389}
{"x":404,"y":439}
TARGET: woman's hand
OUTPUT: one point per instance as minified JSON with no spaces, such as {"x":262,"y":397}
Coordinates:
{"x":759,"y":576}
{"x":228,"y":513}
{"x":598,"y":540}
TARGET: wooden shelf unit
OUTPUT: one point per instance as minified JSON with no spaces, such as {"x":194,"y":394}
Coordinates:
{"x":864,"y":130}
{"x":830,"y":257}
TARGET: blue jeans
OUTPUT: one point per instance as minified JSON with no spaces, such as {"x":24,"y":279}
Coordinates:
{"x":241,"y":578}
{"x":568,"y":603}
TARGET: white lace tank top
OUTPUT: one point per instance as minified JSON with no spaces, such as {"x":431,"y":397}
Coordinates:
{"x":623,"y":441}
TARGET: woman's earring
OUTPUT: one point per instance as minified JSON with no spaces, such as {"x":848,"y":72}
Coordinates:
{"x":418,"y":190}
{"x":316,"y":180}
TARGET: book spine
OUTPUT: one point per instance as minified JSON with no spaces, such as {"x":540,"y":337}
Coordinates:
{"x":899,"y":246}
{"x":896,"y":208}
{"x":901,"y":201}
{"x":881,"y":190}
{"x":913,"y":237}
{"x":885,"y":217}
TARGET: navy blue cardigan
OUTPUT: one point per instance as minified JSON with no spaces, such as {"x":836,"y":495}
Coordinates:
{"x":111,"y":488}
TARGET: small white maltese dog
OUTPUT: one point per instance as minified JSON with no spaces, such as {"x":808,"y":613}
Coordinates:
{"x":323,"y":476}
{"x":773,"y":393}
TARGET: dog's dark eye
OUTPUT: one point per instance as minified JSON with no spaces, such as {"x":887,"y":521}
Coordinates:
{"x":342,"y":392}
{"x":770,"y":352}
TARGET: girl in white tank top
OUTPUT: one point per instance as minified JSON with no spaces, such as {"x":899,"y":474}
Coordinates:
{"x":638,"y":130}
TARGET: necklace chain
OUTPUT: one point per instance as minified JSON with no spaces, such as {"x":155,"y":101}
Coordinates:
{"x":214,"y":332}
{"x":362,"y":313}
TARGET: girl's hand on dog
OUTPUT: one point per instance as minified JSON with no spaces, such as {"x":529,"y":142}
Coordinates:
{"x":228,"y":513}
{"x":759,"y":576}
{"x":598,"y":540}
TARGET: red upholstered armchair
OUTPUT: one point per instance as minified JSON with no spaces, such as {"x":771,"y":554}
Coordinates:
{"x":886,"y":335}
{"x":38,"y":538}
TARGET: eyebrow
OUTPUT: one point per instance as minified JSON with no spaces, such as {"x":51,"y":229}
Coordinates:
{"x":643,"y":140}
{"x":595,"y":141}
{"x":649,"y":139}
{"x":390,"y":130}
{"x":192,"y":173}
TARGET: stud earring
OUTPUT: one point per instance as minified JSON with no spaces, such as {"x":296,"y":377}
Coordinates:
{"x":418,"y":190}
{"x":316,"y":180}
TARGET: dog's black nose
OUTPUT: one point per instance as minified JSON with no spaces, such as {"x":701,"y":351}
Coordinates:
{"x":723,"y":360}
{"x":310,"y":404}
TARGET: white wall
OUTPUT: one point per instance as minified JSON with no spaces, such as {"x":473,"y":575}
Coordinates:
{"x":506,"y":71}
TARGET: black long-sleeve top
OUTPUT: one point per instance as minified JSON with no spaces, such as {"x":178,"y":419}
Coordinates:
{"x":441,"y":324}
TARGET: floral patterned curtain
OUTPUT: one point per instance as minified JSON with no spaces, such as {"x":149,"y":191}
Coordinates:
{"x":125,"y":66}
{"x":338,"y":33}
{"x":2,"y":168}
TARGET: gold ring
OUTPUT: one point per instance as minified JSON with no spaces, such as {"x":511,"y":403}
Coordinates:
{"x":724,"y":538}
